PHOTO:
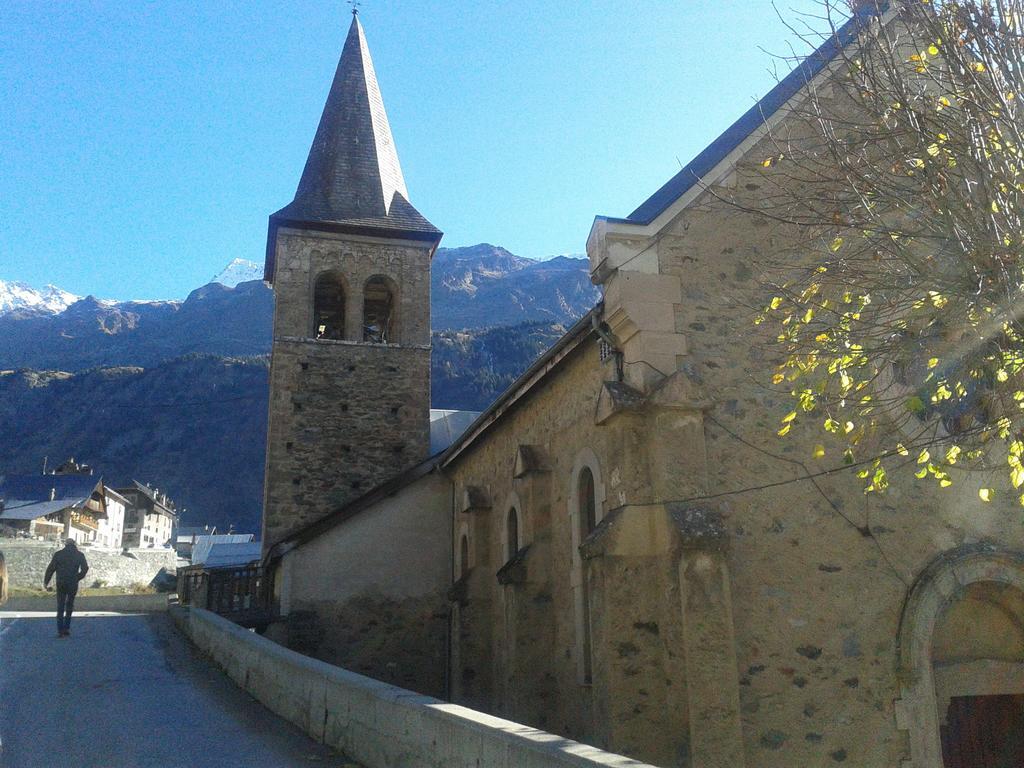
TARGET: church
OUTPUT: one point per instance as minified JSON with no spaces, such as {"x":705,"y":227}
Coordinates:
{"x":619,"y":550}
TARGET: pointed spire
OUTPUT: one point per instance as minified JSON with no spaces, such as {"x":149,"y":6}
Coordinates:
{"x":352,"y":177}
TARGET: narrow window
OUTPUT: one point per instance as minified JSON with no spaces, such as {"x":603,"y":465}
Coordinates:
{"x":329,"y":307}
{"x":587,"y":522}
{"x":464,"y":557}
{"x":588,"y":503}
{"x":378,"y":311}
{"x":513,"y":533}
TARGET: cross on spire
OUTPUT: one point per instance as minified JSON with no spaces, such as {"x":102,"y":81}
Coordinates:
{"x":352,"y":178}
{"x":355,"y":6}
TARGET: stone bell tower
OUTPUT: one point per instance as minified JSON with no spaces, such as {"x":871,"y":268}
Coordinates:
{"x":349,"y":260}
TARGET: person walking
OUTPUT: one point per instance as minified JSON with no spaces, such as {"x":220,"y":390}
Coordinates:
{"x":70,"y":566}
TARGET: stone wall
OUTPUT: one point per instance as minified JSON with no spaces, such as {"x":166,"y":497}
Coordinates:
{"x":517,"y":634}
{"x":378,"y":724}
{"x":344,"y":415}
{"x":368,"y":594}
{"x":27,"y":562}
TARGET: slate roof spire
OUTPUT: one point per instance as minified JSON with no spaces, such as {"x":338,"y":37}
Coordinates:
{"x":352,"y":180}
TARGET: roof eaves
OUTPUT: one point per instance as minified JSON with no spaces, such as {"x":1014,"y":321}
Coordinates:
{"x":753,"y":119}
{"x":353,"y":508}
{"x":522,"y":385}
{"x":426,"y":233}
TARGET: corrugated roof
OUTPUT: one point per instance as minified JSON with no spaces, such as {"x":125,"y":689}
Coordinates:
{"x":228,"y":554}
{"x":203,"y":544}
{"x":27,"y":497}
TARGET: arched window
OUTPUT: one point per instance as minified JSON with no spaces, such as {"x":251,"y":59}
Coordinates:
{"x":329,"y":307}
{"x":513,"y":532}
{"x":378,"y":311}
{"x":464,"y":557}
{"x":588,"y":503}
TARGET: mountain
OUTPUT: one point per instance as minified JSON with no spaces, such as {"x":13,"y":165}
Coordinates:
{"x":174,"y":393}
{"x":473,"y":288}
{"x":194,"y":427}
{"x":214,"y":319}
{"x":485,"y":285}
{"x":469,"y":369}
{"x":18,"y":297}
{"x":238,"y":271}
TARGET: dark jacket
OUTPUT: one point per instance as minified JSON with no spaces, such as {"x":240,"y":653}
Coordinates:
{"x":70,"y":566}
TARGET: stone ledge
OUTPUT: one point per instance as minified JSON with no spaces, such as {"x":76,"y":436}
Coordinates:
{"x":376,"y":723}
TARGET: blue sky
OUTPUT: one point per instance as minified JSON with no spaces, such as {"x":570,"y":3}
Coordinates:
{"x":143,"y":144}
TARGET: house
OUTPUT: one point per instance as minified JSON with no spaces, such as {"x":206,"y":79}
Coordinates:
{"x":110,"y":530}
{"x":619,"y":549}
{"x":55,"y":506}
{"x":150,"y":518}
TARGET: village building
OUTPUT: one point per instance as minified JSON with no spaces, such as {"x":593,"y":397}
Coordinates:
{"x":620,"y":549}
{"x":52,"y":507}
{"x":150,"y":518}
{"x":110,"y":529}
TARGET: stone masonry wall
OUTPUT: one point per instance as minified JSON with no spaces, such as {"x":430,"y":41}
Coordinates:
{"x":27,"y":562}
{"x":344,"y":415}
{"x":516,"y":645}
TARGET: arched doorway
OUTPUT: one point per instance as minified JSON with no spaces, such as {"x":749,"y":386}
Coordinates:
{"x":962,"y":661}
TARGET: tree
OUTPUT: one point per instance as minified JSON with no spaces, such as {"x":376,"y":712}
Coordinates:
{"x":900,"y":315}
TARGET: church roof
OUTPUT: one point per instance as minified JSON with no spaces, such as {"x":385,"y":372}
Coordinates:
{"x":753,"y":119}
{"x":352,"y":180}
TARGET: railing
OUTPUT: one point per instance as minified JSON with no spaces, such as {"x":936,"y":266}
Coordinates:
{"x":240,"y":594}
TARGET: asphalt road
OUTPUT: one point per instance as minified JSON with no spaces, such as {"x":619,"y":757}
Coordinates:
{"x":130,"y":692}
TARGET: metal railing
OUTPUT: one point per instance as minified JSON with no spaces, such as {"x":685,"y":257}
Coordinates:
{"x":240,"y":594}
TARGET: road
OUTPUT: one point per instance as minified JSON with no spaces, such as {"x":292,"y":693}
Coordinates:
{"x":130,"y":692}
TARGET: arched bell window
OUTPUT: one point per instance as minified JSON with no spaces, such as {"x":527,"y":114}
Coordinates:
{"x":512,"y":533}
{"x":329,"y":307}
{"x":379,"y":311}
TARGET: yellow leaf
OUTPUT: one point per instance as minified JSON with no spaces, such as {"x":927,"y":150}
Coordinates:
{"x":819,"y":451}
{"x":933,"y":50}
{"x":985,"y":494}
{"x":923,"y":456}
{"x":836,"y":244}
{"x":789,"y":417}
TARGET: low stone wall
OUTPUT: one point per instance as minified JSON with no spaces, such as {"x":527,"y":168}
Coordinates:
{"x":377,"y":724}
{"x":86,"y":603}
{"x":27,"y":561}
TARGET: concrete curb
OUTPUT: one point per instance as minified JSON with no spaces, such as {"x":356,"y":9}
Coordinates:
{"x":84,"y":603}
{"x":377,"y":724}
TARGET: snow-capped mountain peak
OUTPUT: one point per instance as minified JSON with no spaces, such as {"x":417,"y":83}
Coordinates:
{"x":238,"y":271}
{"x":50,"y":300}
